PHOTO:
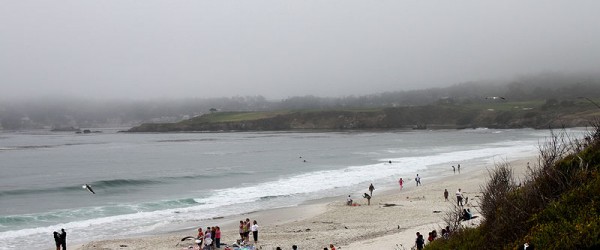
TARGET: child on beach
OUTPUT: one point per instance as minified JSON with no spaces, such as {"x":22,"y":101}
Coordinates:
{"x":401,"y":182}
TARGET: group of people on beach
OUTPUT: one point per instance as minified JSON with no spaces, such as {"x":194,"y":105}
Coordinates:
{"x":454,"y":169}
{"x":368,"y":196}
{"x":60,"y":239}
{"x":245,"y":228}
{"x":209,"y":239}
{"x":420,"y":241}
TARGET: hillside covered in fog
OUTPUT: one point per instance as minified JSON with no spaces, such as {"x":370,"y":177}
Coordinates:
{"x":544,"y":93}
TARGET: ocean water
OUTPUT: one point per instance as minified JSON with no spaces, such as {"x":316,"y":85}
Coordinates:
{"x":149,"y":183}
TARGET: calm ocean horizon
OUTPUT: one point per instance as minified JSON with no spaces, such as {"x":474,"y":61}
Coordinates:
{"x":144,"y":182}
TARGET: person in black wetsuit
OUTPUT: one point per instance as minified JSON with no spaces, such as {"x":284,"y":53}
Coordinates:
{"x":57,"y":240}
{"x":63,"y":239}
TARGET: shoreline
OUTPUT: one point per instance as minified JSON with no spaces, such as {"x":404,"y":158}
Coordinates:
{"x":317,"y":223}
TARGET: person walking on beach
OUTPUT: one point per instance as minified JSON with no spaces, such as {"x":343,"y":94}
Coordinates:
{"x":254,"y":229}
{"x":401,"y":182}
{"x":371,"y":188}
{"x":446,"y":194}
{"x":418,"y":180}
{"x":57,"y":240}
{"x":63,"y":239}
{"x":459,"y":198}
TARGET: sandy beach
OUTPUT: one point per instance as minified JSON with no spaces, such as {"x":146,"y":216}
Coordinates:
{"x":330,"y":221}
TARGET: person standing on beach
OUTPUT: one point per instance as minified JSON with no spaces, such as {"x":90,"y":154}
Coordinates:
{"x":349,"y":201}
{"x":57,"y":240}
{"x":254,"y":229}
{"x":419,"y":242}
{"x":446,"y":194}
{"x":241,"y":231}
{"x":418,"y":180}
{"x":63,"y":239}
{"x":213,"y":231}
{"x":459,"y":198}
{"x":371,"y":188}
{"x":459,"y":168}
{"x":200,"y":237}
{"x":217,"y":237}
{"x":453,"y":169}
{"x":208,"y":239}
{"x":401,"y":182}
{"x":247,"y":230}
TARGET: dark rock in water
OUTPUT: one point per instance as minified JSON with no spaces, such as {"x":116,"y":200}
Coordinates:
{"x":64,"y":129}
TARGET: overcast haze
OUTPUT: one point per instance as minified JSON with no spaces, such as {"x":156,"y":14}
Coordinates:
{"x":283,"y":48}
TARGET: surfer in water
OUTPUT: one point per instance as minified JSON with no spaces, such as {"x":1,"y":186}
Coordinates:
{"x":89,"y":188}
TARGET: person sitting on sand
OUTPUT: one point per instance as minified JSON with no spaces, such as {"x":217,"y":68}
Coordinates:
{"x":368,"y":197}
{"x":331,"y":247}
{"x":467,"y":214}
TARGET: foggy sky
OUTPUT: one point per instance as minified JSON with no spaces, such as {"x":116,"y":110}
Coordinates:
{"x":282,"y":48}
